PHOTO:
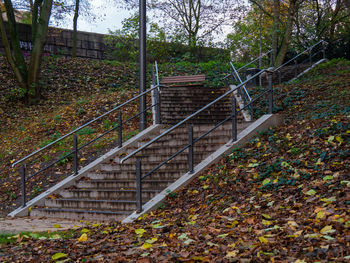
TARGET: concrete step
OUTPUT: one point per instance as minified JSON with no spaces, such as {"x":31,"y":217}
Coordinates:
{"x":80,"y":214}
{"x":146,"y":166}
{"x":101,"y":194}
{"x":122,"y":184}
{"x":90,"y":204}
{"x":131,"y":175}
{"x":179,"y":143}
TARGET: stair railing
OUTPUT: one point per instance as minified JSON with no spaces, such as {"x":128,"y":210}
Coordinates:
{"x":191,"y":140}
{"x":294,"y":61}
{"x":235,"y":75}
{"x":76,"y":147}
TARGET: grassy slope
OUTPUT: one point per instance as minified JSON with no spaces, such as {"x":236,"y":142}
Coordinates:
{"x":284,"y":197}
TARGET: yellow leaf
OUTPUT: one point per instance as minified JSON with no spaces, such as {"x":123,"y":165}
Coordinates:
{"x":339,"y":139}
{"x":265,"y":182}
{"x":151,"y":241}
{"x":146,"y":246}
{"x":298,"y":233}
{"x":85,"y":230}
{"x":266,"y":223}
{"x":311,"y":192}
{"x":320,"y":215}
{"x":140,"y":232}
{"x":263,"y":240}
{"x":57,"y":226}
{"x":327,"y":229}
{"x":330,"y":138}
{"x":83,"y":238}
{"x":258,"y":144}
{"x":231,"y":254}
{"x":266,"y":216}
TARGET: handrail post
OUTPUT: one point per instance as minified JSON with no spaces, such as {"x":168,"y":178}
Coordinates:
{"x":157,"y":106}
{"x":75,"y":149}
{"x":234,"y":119}
{"x":138,"y":186}
{"x":295,"y":68}
{"x":324,"y":51}
{"x":120,"y":129}
{"x":23,"y":183}
{"x":190,"y":149}
{"x":153,"y":76}
{"x":270,"y":94}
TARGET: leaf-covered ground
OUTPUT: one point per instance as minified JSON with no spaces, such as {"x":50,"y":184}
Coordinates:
{"x":284,"y":197}
{"x":74,"y":92}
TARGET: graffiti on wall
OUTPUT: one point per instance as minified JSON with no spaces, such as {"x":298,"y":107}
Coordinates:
{"x":28,"y":46}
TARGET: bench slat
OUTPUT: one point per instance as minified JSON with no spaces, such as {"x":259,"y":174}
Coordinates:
{"x":182,"y":79}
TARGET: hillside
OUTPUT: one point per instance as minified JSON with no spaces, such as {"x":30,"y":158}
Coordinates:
{"x":74,"y":92}
{"x":284,"y":197}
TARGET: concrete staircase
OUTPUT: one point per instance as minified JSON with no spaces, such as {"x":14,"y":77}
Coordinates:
{"x":106,"y":188}
{"x":108,"y":192}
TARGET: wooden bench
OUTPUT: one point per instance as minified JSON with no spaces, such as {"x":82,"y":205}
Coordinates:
{"x":183,"y":79}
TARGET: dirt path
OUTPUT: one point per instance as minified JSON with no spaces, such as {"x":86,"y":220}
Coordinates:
{"x":26,"y":224}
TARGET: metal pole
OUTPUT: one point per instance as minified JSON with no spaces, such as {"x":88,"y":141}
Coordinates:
{"x":138,"y":186}
{"x":153,"y":76}
{"x":75,"y":146}
{"x":295,"y":68}
{"x":157,"y":106}
{"x":324,"y":52}
{"x":142,"y":55}
{"x":23,"y":183}
{"x":234,"y":120}
{"x":270,"y":95}
{"x":120,"y":129}
{"x":190,"y":149}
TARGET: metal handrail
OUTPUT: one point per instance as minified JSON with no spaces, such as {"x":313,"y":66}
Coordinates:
{"x":203,"y":135}
{"x":321,"y":41}
{"x":251,"y":62}
{"x":189,"y":117}
{"x":310,"y":58}
{"x":240,"y":80}
{"x":83,"y":126}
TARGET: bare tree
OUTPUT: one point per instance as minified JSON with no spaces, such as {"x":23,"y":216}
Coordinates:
{"x":191,"y":20}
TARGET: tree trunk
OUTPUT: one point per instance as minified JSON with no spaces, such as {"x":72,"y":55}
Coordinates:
{"x":14,"y":39}
{"x":8,"y":54}
{"x":287,"y":34}
{"x":276,"y":21}
{"x":36,"y":55}
{"x":75,"y":28}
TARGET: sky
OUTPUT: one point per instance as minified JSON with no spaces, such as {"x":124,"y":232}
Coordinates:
{"x":109,"y":17}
